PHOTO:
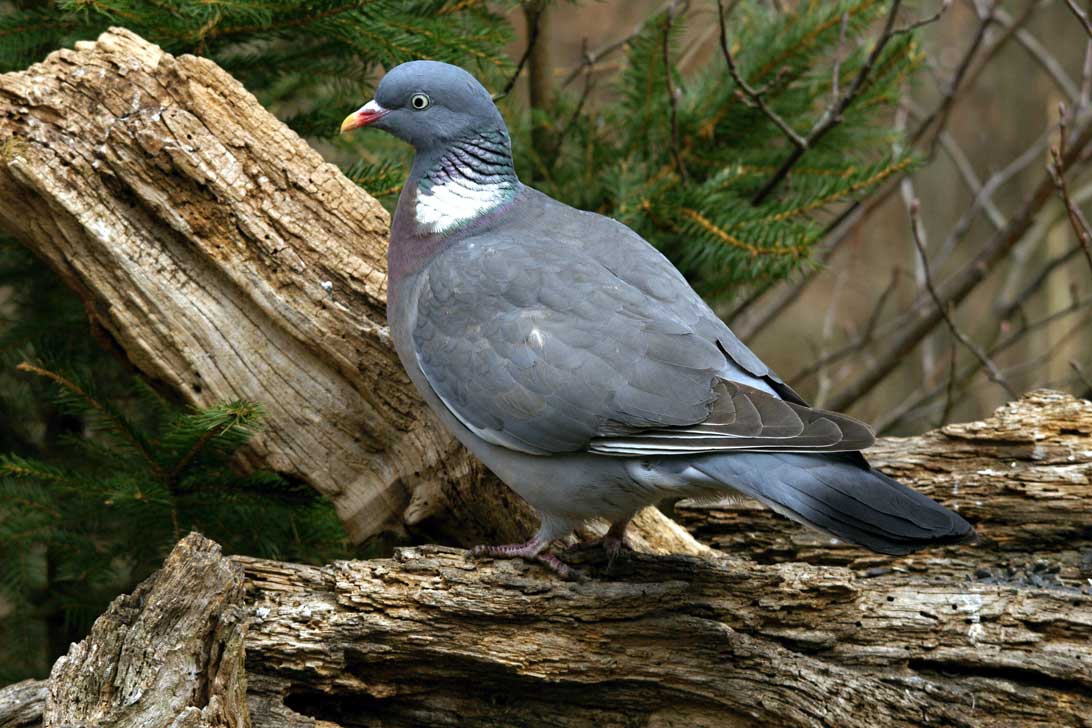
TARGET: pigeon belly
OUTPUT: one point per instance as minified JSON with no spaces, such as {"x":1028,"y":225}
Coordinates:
{"x":566,"y":489}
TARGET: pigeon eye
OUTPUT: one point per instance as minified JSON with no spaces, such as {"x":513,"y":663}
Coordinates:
{"x":419,"y":102}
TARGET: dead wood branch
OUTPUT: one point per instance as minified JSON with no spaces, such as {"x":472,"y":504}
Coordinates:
{"x":949,"y":316}
{"x":431,"y":638}
{"x":925,"y":316}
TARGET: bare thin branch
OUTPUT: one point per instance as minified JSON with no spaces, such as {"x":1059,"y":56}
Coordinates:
{"x":589,"y":60}
{"x":1006,"y":310}
{"x":755,"y":96}
{"x":1076,"y":366}
{"x":921,"y":273}
{"x":1081,"y":16}
{"x":970,"y":178}
{"x":589,"y":84}
{"x":995,"y":373}
{"x":909,"y":329}
{"x":850,"y":220}
{"x":866,"y":336}
{"x":532,"y":39}
{"x":1086,"y":78}
{"x":944,"y":108}
{"x":997,"y":180}
{"x":911,"y":27}
{"x":672,"y":98}
{"x":893,"y":418}
{"x":881,"y":302}
{"x":1042,"y":56}
{"x":1056,"y":169}
{"x":949,"y":399}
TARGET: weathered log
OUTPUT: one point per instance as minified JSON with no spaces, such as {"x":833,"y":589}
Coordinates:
{"x":425,"y":639}
{"x":430,"y":638}
{"x":1022,"y":476}
{"x":225,"y":259}
{"x":22,"y":704}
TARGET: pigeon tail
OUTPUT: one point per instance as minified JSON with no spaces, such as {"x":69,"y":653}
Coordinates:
{"x":840,"y":494}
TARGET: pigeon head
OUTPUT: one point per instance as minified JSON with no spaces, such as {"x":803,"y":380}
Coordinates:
{"x":463,"y":168}
{"x":428,"y":104}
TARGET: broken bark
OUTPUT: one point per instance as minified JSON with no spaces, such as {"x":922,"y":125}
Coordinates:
{"x":169,"y":654}
{"x":425,"y":639}
{"x":22,"y":704}
{"x":225,"y":259}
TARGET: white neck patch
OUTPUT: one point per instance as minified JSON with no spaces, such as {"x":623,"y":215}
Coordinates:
{"x":444,"y":207}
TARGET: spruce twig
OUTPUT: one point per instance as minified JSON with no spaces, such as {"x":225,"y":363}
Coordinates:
{"x":835,"y":112}
{"x":118,"y":424}
{"x":756,"y":96}
{"x":672,"y":97}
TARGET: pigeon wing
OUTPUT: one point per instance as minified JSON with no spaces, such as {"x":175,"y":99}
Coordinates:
{"x":548,"y":349}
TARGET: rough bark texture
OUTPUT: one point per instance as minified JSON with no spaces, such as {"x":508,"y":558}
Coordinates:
{"x":169,"y":654}
{"x":225,"y":259}
{"x":424,"y":639}
{"x":432,"y":638}
{"x":22,"y":704}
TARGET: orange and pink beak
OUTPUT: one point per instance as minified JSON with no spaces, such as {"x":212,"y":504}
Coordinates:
{"x":366,"y":114}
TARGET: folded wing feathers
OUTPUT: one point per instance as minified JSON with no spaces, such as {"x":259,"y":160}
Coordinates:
{"x":744,"y":418}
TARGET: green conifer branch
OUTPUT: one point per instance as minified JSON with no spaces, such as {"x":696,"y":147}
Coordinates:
{"x":117,"y":423}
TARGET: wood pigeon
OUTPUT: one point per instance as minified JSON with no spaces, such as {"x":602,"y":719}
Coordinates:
{"x":577,"y":363}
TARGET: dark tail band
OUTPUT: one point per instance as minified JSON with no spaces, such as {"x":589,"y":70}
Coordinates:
{"x":841,"y":495}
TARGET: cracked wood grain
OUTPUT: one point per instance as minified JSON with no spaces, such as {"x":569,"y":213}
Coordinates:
{"x":169,"y":654}
{"x":427,"y":639}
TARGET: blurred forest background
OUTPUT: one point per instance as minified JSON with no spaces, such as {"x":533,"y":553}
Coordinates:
{"x":639,"y":109}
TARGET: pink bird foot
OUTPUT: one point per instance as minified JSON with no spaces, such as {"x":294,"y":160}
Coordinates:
{"x":613,"y":542}
{"x":533,"y":550}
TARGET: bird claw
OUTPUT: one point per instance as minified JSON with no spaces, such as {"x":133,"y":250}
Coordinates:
{"x":613,"y":547}
{"x":560,"y":568}
{"x":531,"y":551}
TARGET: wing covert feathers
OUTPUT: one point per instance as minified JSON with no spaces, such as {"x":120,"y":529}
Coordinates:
{"x":744,"y":418}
